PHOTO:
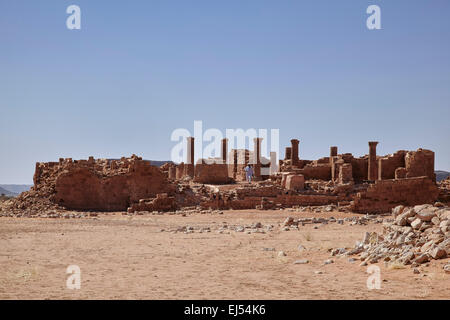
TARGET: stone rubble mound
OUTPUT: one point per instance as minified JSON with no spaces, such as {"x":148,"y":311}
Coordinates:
{"x":414,"y":235}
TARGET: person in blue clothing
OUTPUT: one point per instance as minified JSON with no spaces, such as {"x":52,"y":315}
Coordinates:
{"x":249,"y":172}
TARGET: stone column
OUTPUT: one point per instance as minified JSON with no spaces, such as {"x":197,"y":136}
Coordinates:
{"x":257,"y":158}
{"x":372,"y":173}
{"x":224,"y":150}
{"x":257,"y":150}
{"x":273,"y":163}
{"x":179,"y":171}
{"x":294,"y":151}
{"x":287,"y":154}
{"x":333,"y":151}
{"x":235,"y":163}
{"x":190,"y":150}
{"x":189,"y":166}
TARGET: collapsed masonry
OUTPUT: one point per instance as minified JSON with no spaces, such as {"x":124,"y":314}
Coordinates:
{"x":368,"y":184}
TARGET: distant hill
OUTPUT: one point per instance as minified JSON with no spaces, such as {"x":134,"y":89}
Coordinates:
{"x":7,"y":192}
{"x":13,"y":190}
{"x":158,"y":163}
{"x":441,"y":175}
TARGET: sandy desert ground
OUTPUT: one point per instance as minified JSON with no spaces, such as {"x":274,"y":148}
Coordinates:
{"x":130,"y":257}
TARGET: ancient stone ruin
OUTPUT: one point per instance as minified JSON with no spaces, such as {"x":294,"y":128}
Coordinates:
{"x":367,"y":184}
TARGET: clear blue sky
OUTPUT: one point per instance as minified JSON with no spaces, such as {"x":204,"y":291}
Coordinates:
{"x":137,"y":70}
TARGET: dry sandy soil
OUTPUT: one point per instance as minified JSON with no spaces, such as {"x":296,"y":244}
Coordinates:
{"x":129,"y":257}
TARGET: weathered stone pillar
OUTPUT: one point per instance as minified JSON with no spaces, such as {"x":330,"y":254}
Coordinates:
{"x":172,"y":173}
{"x":345,"y":173}
{"x":333,"y":151}
{"x":372,"y":173}
{"x":189,"y":166}
{"x":235,"y":162}
{"x":257,"y":158}
{"x":273,"y":163}
{"x":287,"y":154}
{"x":294,"y":151}
{"x":257,"y":150}
{"x":224,"y":150}
{"x":190,"y":150}
{"x":179,"y":171}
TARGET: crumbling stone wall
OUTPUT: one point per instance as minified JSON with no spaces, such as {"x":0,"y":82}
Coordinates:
{"x":444,"y":190}
{"x":260,"y":191}
{"x":211,"y":173}
{"x":104,"y":185}
{"x":89,"y":186}
{"x":93,"y":184}
{"x":420,"y":163}
{"x":388,"y":164}
{"x":360,"y":167}
{"x":345,"y":173}
{"x":162,"y":202}
{"x":320,"y":171}
{"x":283,"y":200}
{"x":386,"y":194}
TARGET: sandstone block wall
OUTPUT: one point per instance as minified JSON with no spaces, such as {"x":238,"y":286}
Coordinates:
{"x":162,"y":202}
{"x":360,"y":167}
{"x":262,"y":191}
{"x":211,"y":173}
{"x":420,"y":163}
{"x":253,"y":202}
{"x":386,"y":194}
{"x":345,"y":173}
{"x":319,"y":171}
{"x":387,"y":165}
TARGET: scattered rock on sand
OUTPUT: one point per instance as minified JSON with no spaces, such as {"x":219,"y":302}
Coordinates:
{"x":302,"y":261}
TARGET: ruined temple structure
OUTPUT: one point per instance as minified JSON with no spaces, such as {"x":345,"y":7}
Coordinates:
{"x":367,"y":184}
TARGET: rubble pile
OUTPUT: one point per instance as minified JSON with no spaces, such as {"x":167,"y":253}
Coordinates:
{"x":414,"y":235}
{"x":444,"y":190}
